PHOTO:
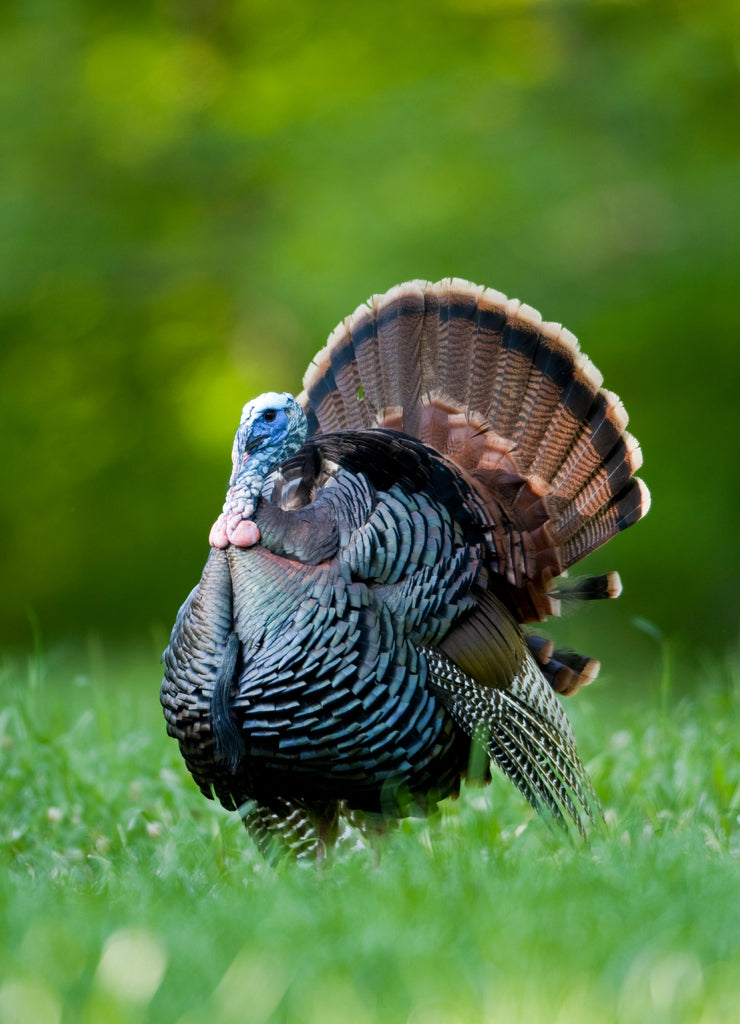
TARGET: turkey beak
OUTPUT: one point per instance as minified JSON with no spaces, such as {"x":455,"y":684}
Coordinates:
{"x":241,"y":454}
{"x":253,"y":444}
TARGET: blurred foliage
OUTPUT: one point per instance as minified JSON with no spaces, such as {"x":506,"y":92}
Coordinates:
{"x":193,"y":193}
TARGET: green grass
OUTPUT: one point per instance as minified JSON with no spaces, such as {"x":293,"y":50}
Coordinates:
{"x":127,"y":897}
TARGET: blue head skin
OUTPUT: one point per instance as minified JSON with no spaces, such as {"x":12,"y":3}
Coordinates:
{"x":272,"y":427}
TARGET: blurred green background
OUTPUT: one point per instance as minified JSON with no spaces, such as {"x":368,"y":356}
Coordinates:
{"x":194,"y":193}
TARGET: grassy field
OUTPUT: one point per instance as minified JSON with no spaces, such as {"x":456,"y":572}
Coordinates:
{"x":126,"y":897}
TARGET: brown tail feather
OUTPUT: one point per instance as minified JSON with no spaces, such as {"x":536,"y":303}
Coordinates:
{"x":624,"y":510}
{"x":326,"y":396}
{"x":357,"y":413}
{"x":565,"y":671}
{"x":609,"y":479}
{"x":507,"y":397}
{"x":551,"y":372}
{"x":458,"y":332}
{"x":519,"y":345}
{"x":399,"y":323}
{"x":599,"y":433}
{"x":575,"y":401}
{"x":489,"y":325}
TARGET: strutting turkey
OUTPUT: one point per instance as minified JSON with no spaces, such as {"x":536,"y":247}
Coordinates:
{"x":357,"y":631}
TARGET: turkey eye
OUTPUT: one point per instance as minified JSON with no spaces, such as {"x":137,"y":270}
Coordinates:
{"x":269,"y":415}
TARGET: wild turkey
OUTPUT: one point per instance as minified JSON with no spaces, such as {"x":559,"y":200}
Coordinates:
{"x":357,"y":631}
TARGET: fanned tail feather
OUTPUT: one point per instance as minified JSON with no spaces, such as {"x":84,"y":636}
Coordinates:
{"x":509,"y":398}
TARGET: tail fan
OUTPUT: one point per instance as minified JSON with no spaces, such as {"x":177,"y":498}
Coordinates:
{"x":510,"y":399}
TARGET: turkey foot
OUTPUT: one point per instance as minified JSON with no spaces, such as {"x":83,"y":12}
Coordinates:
{"x":232,"y":529}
